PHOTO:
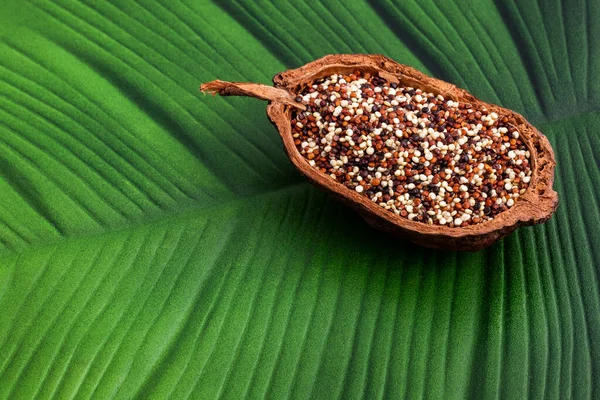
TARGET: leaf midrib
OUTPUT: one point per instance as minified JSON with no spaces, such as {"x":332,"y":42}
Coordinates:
{"x":234,"y":201}
{"x":163,"y":217}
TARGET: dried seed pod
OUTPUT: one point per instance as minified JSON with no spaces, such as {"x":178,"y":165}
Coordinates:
{"x":535,"y":206}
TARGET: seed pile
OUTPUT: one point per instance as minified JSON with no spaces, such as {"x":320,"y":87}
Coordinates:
{"x":415,"y":154}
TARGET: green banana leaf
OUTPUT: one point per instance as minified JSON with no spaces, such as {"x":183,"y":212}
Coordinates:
{"x":157,"y":243}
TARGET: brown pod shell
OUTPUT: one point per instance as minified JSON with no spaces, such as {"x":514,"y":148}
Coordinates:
{"x":534,"y":207}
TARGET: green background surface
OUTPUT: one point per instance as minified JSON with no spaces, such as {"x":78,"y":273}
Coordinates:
{"x":155,"y":242}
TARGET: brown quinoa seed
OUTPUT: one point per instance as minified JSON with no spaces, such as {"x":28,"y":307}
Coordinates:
{"x":415,"y":154}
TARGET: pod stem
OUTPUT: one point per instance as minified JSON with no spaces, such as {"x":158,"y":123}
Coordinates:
{"x":256,"y":90}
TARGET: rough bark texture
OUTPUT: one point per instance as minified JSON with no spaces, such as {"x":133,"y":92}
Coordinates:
{"x":257,"y":90}
{"x":534,"y":207}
